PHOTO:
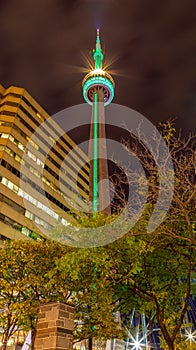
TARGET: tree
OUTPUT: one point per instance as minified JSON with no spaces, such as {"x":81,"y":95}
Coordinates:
{"x":86,"y":272}
{"x":83,"y":272}
{"x":179,"y":222}
{"x":162,"y":287}
{"x":151,"y":271}
{"x":24,"y":281}
{"x":154,"y":276}
{"x":177,"y":231}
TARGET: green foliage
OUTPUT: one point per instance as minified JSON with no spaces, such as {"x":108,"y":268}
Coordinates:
{"x":150,"y":273}
{"x":90,"y":273}
{"x":24,"y":282}
{"x":181,"y":343}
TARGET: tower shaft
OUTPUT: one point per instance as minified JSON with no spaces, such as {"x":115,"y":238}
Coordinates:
{"x":99,"y":185}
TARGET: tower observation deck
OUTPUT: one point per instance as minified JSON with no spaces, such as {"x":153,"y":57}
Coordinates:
{"x":98,"y":91}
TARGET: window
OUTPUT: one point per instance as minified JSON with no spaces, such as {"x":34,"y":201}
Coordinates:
{"x":26,"y":231}
{"x":35,"y":172}
{"x":4,"y":136}
{"x":9,"y":103}
{"x":11,"y":138}
{"x":15,"y":188}
{"x":32,"y":143}
{"x":21,"y":146}
{"x":5,"y":123}
{"x":29,"y":215}
{"x":9,"y":151}
{"x":31,"y":156}
{"x":8,"y":113}
{"x":19,"y":159}
{"x":10,"y":185}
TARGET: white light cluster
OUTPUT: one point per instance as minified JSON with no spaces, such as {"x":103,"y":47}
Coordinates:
{"x":97,"y":71}
{"x":137,"y":343}
{"x":190,"y":335}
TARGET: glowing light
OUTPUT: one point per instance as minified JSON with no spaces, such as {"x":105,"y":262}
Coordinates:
{"x":190,"y":335}
{"x":10,"y":342}
{"x":98,"y":55}
{"x":138,"y":334}
{"x":97,"y":71}
{"x":136,"y":343}
{"x":98,"y":81}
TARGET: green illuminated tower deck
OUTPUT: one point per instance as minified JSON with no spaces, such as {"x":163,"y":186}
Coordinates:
{"x":98,"y":92}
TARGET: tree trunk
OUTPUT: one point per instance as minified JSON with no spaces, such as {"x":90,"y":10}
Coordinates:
{"x":90,"y":344}
{"x":33,"y":336}
{"x":167,"y":338}
{"x":170,"y":346}
{"x":4,"y":340}
{"x":4,"y":345}
{"x":150,"y":333}
{"x":33,"y":321}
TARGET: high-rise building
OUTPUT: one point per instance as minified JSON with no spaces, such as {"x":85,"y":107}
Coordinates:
{"x":98,"y":92}
{"x":37,"y":174}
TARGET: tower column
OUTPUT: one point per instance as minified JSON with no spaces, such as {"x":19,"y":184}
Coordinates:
{"x":98,"y":91}
{"x":99,"y":189}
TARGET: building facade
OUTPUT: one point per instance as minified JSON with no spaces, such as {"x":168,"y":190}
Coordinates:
{"x":36,"y":178}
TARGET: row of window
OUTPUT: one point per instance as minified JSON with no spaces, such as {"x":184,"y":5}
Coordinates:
{"x":32,"y":200}
{"x":9,"y":103}
{"x":5,"y":123}
{"x":11,"y":114}
{"x":34,"y":171}
{"x":38,"y":220}
{"x":24,"y":212}
{"x":24,"y":230}
{"x":35,"y":187}
{"x":22,"y":148}
{"x":12,"y":204}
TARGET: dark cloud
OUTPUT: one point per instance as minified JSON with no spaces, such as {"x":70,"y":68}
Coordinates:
{"x":151,"y":43}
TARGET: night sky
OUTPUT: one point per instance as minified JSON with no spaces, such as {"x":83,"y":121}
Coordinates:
{"x":150,"y":43}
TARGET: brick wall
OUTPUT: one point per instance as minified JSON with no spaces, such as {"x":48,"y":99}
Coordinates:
{"x":55,"y":327}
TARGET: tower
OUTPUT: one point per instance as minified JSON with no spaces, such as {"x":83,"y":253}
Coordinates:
{"x":98,"y":92}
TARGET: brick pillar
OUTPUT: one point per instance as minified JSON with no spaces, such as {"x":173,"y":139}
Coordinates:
{"x":55,"y":327}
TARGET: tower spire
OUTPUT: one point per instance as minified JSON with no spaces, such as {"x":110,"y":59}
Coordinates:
{"x":98,"y":78}
{"x":98,"y":54}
